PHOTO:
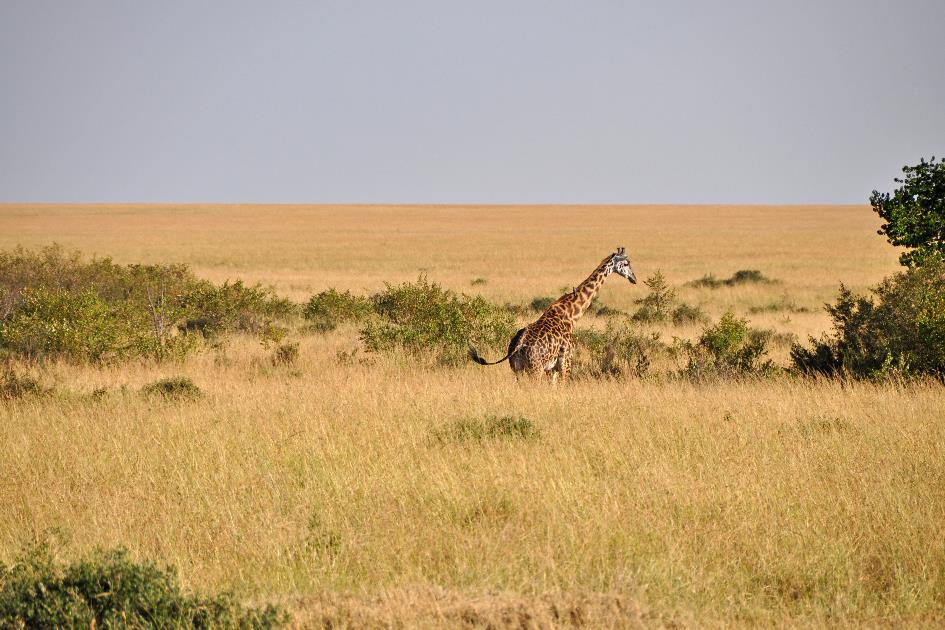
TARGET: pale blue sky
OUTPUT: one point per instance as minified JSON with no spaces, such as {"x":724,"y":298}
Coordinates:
{"x":465,"y":102}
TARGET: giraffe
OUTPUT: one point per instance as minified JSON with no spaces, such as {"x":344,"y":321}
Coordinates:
{"x":546,"y":344}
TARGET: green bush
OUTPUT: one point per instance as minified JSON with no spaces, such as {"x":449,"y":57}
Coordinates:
{"x":82,"y":326}
{"x":657,"y":305}
{"x":328,"y":309}
{"x":423,"y":317}
{"x":742,"y":276}
{"x":54,"y":304}
{"x":175,"y":387}
{"x":687,"y":314}
{"x":606,"y":311}
{"x":621,"y":349}
{"x":233,"y":307}
{"x":487,"y":428}
{"x":540,"y":304}
{"x":109,"y":590}
{"x":53,"y":269}
{"x":900,"y":330}
{"x":729,"y":348}
{"x":56,"y":322}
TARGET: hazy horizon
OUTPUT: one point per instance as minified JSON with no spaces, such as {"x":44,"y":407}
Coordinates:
{"x":450,"y":104}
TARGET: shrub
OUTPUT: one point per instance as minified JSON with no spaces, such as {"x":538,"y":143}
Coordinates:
{"x":57,"y":304}
{"x":14,"y":385}
{"x":175,"y":387}
{"x":329,"y":308}
{"x":423,"y":317}
{"x":540,"y":304}
{"x":82,"y":326}
{"x":233,"y":307}
{"x":742,"y":276}
{"x":657,"y":305}
{"x":606,"y":311}
{"x":686,"y":314}
{"x":728,"y":348}
{"x":109,"y":590}
{"x":621,"y":349}
{"x":900,"y":330}
{"x":53,"y":269}
{"x":478,"y":281}
{"x":486,"y":428}
{"x":61,"y":323}
{"x":517,"y":310}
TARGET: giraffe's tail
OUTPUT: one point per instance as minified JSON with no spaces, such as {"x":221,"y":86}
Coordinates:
{"x":514,"y":345}
{"x":478,"y":359}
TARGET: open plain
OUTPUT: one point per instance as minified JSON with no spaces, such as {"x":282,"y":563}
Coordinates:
{"x":650,"y":501}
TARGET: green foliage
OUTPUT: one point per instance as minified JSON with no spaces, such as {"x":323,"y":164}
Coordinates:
{"x":661,"y":304}
{"x":14,"y":385}
{"x":109,"y":590}
{"x":174,"y":387}
{"x":605,"y":311}
{"x":900,"y":330}
{"x":487,"y":428}
{"x":657,"y":305}
{"x":742,"y":276}
{"x":686,"y":314}
{"x":61,"y":323}
{"x":423,"y":317}
{"x":539,"y":304}
{"x":914,"y":214}
{"x":54,"y":304}
{"x":234,"y":307}
{"x":729,"y":348}
{"x":328,"y":309}
{"x":621,"y":349}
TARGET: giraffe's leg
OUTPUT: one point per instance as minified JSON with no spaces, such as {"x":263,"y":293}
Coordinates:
{"x":565,"y":352}
{"x":564,"y":362}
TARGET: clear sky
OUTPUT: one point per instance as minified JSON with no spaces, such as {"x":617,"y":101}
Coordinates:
{"x":503,"y":101}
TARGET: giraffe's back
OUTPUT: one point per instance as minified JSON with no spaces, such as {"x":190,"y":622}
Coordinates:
{"x":538,"y":344}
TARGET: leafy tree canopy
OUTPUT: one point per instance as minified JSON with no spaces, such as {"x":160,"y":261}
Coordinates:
{"x":915,"y":212}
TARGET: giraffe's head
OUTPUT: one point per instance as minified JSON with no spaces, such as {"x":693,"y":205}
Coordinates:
{"x":619,"y":263}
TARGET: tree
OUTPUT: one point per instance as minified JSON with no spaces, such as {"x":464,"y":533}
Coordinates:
{"x":915,"y":212}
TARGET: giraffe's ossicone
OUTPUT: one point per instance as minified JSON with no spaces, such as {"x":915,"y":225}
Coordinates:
{"x":546,"y":345}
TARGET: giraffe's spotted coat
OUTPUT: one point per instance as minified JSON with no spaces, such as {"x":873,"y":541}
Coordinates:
{"x":546,"y":345}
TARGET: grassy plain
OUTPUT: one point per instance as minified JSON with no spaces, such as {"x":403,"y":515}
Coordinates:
{"x":650,"y":502}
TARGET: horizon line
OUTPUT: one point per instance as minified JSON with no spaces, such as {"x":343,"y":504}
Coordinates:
{"x":450,"y":204}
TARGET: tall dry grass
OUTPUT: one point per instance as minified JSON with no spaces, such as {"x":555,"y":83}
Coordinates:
{"x":340,"y":486}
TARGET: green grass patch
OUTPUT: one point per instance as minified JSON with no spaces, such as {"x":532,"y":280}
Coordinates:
{"x":487,"y":428}
{"x":175,"y":388}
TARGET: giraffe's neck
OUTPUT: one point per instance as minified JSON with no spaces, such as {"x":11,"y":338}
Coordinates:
{"x":580,"y":300}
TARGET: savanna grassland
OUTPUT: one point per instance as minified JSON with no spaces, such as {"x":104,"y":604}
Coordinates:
{"x":355,"y":489}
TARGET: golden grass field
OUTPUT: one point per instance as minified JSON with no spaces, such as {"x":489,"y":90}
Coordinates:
{"x":651,"y":502}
